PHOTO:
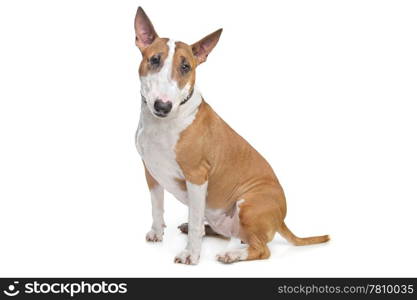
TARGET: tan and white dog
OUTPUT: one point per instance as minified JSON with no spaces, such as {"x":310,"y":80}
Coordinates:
{"x":189,"y":151}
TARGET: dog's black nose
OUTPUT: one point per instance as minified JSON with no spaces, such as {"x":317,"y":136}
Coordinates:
{"x":162,"y":107}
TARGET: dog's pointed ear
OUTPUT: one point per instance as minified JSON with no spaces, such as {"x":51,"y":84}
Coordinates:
{"x":145,"y":33}
{"x":203,"y":47}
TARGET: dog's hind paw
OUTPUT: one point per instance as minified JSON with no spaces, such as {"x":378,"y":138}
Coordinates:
{"x":229,"y":257}
{"x":183,"y":228}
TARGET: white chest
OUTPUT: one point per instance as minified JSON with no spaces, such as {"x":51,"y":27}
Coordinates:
{"x":156,"y":140}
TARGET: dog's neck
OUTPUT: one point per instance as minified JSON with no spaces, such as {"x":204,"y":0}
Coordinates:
{"x":185,"y":112}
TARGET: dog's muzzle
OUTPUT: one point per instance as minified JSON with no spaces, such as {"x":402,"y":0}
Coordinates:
{"x":190,"y":94}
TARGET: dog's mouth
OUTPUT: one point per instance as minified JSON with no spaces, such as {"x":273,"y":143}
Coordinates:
{"x":160,"y":115}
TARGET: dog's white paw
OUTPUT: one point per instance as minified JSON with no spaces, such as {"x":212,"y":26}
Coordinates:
{"x":153,"y":236}
{"x":229,"y":257}
{"x":187,"y":257}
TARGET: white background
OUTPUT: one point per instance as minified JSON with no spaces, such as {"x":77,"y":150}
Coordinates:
{"x":325,"y":90}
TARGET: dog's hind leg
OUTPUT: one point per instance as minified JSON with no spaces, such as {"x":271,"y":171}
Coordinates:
{"x":258,"y":223}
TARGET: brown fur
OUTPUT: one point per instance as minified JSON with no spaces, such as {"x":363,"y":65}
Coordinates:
{"x":159,"y":46}
{"x":183,"y":53}
{"x":209,"y":150}
{"x":181,"y":183}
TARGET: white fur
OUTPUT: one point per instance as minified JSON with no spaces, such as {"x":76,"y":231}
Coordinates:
{"x":233,"y":255}
{"x":234,"y":252}
{"x":158,"y":224}
{"x":197,"y":195}
{"x":224,"y":224}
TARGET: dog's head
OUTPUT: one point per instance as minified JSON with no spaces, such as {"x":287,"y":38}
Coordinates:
{"x":167,"y":70}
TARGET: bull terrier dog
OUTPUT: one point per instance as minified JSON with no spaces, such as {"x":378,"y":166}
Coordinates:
{"x":189,"y":151}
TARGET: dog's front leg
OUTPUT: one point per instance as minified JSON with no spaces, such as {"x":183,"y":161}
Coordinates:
{"x":196,"y":206}
{"x":158,"y":224}
{"x":157,"y":199}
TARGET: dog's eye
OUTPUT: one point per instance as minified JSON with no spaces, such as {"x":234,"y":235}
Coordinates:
{"x":185,"y":68}
{"x":155,"y":60}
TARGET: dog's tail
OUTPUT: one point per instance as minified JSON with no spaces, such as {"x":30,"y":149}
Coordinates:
{"x":292,"y":238}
